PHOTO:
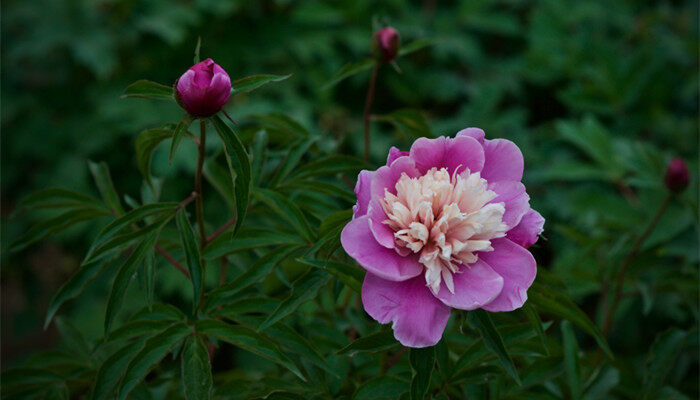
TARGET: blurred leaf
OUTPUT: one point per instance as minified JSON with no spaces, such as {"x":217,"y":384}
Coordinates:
{"x":410,"y":123}
{"x":605,"y":381}
{"x":329,"y":166}
{"x":422,"y":362}
{"x":591,"y":138}
{"x":60,"y":198}
{"x":239,"y":166}
{"x":373,"y":343}
{"x":536,"y":323}
{"x":661,"y":359}
{"x":146,"y":143}
{"x":323,"y":188}
{"x":381,"y":387}
{"x":246,"y":239}
{"x":250,"y":83}
{"x":282,"y":126}
{"x":103,"y":180}
{"x":219,"y":178}
{"x":192,"y":255}
{"x":349,"y":275}
{"x":573,"y":369}
{"x":148,"y":274}
{"x":303,"y":289}
{"x":555,"y":303}
{"x":152,"y":352}
{"x":290,"y":339}
{"x":293,"y":157}
{"x":53,"y":225}
{"x":287,"y":210}
{"x":123,"y":278}
{"x":258,"y":157}
{"x":349,"y":70}
{"x":247,"y":339}
{"x":494,"y":342}
{"x":179,"y":132}
{"x":196,"y":370}
{"x":415,"y":46}
{"x":149,"y":90}
{"x":73,"y":338}
{"x":196,"y":50}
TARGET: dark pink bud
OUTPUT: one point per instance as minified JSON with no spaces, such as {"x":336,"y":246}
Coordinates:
{"x":677,"y":175}
{"x":386,"y":43}
{"x":203,"y":89}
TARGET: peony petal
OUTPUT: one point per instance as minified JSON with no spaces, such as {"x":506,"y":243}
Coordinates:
{"x":504,"y":161}
{"x":358,"y":242}
{"x":475,"y":285}
{"x":362,"y":191}
{"x":517,"y":201}
{"x":527,"y":231}
{"x":381,"y":232}
{"x":418,"y":317}
{"x":385,"y":177}
{"x":518,"y":269}
{"x":475,"y":133}
{"x":463,"y":152}
{"x":395,"y":153}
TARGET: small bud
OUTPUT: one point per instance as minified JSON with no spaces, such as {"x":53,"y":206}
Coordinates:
{"x":203,"y":89}
{"x":677,"y":175}
{"x":385,"y":44}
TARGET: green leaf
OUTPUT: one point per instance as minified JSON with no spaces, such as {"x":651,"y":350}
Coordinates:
{"x":293,"y":156}
{"x":159,"y":311}
{"x":334,"y":222}
{"x":152,"y":352}
{"x":60,"y":198}
{"x":146,"y":143}
{"x":258,"y":156}
{"x":381,"y":387}
{"x":349,"y":70}
{"x":410,"y":123}
{"x":329,"y":166}
{"x":551,"y":301}
{"x":149,"y":90}
{"x":112,"y":370}
{"x":661,"y":359}
{"x":415,"y":46}
{"x":139,"y":327}
{"x":604,"y":382}
{"x":219,"y":178}
{"x":73,"y":338}
{"x":571,"y":363}
{"x":247,"y":339}
{"x":192,"y":255}
{"x":349,"y":275}
{"x":250,"y":83}
{"x":536,"y":323}
{"x":148,"y":274}
{"x":253,"y":274}
{"x":196,"y":50}
{"x":321,"y":187}
{"x":288,"y":211}
{"x":303,"y":289}
{"x":180,"y":131}
{"x":54,"y":225}
{"x":74,"y":287}
{"x":123,"y":278}
{"x":493,"y":341}
{"x":282,"y":127}
{"x":239,"y":166}
{"x":422,"y":362}
{"x":247,"y":239}
{"x":103,"y":180}
{"x":290,"y":339}
{"x":196,"y":370}
{"x":373,"y":343}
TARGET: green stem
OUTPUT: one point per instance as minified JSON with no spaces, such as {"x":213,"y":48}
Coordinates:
{"x":368,"y":107}
{"x":198,"y":182}
{"x":620,"y":278}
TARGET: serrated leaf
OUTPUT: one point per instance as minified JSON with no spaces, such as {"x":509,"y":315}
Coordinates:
{"x":381,"y":387}
{"x":410,"y":123}
{"x":192,"y":256}
{"x":149,"y":90}
{"x":123,"y":278}
{"x":288,"y":211}
{"x":303,"y":289}
{"x":239,"y":166}
{"x":349,"y":70}
{"x":422,"y":362}
{"x":375,"y":342}
{"x":493,"y":341}
{"x":571,"y":363}
{"x":254,"y":273}
{"x":179,"y":132}
{"x":196,"y":370}
{"x":153,"y":350}
{"x":250,"y":83}
{"x":556,"y":303}
{"x":247,"y":339}
{"x":349,"y":275}
{"x":103,"y":180}
{"x":146,"y":143}
{"x":661,"y":359}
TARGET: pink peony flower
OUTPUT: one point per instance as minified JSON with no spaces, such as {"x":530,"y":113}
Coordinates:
{"x":203,"y":89}
{"x":444,"y":225}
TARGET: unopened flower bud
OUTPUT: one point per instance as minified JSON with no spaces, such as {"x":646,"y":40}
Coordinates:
{"x":386,"y":43}
{"x":203,"y":89}
{"x":677,"y":175}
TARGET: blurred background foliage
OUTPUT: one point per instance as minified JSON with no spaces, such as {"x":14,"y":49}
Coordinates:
{"x":599,"y":95}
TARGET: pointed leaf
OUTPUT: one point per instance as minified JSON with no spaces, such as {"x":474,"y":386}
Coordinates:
{"x":103,"y":180}
{"x":571,"y":363}
{"x":149,"y":90}
{"x":146,"y":143}
{"x":422,"y":362}
{"x":349,"y":70}
{"x":493,"y":341}
{"x":415,"y":46}
{"x":293,"y":156}
{"x":60,"y":198}
{"x":381,"y":387}
{"x":349,"y":275}
{"x":179,"y":132}
{"x":373,"y":343}
{"x":303,"y":289}
{"x":287,"y":210}
{"x":410,"y":123}
{"x":661,"y":359}
{"x":536,"y":323}
{"x":196,"y":370}
{"x":192,"y":255}
{"x":54,"y":225}
{"x":250,"y":83}
{"x":112,"y":369}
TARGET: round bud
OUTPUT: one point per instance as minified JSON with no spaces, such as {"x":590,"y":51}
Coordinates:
{"x":677,"y":175}
{"x":203,"y":89}
{"x":385,"y":44}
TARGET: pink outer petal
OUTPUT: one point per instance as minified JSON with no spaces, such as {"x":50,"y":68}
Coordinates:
{"x":358,"y":242}
{"x":395,"y":153}
{"x":476,"y":133}
{"x":461,"y":152}
{"x":362,"y":191}
{"x":475,"y":285}
{"x":518,"y":269}
{"x":418,"y":317}
{"x":504,"y":161}
{"x":527,"y":231}
{"x":385,"y":177}
{"x":517,"y":201}
{"x":382,"y":233}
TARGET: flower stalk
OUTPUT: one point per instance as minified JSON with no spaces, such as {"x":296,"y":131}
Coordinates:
{"x":198,"y":182}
